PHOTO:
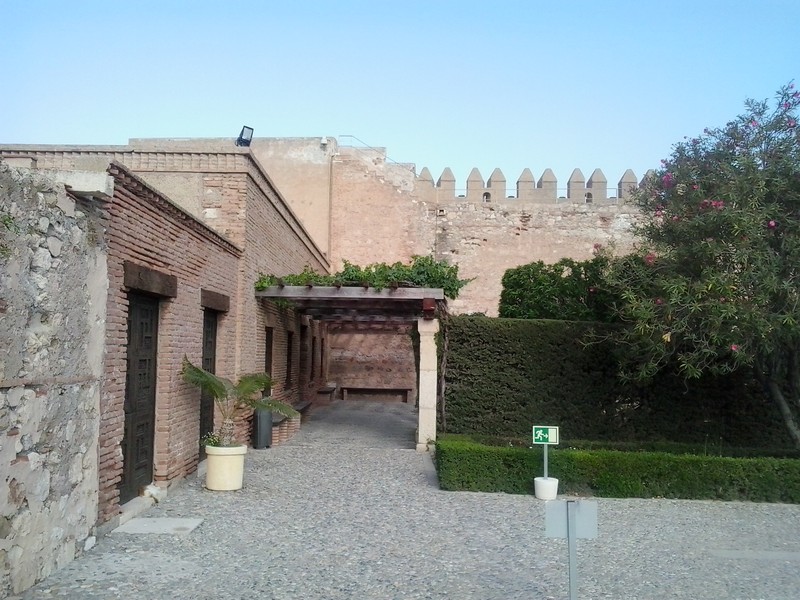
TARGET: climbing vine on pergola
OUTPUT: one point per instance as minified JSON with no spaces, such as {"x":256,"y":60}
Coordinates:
{"x":423,"y":271}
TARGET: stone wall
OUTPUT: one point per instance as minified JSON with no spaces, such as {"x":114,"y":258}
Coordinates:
{"x":301,"y":170}
{"x":383,"y":212}
{"x":52,"y":317}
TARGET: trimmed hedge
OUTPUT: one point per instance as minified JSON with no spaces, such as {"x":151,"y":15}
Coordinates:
{"x":465,"y":465}
{"x":503,"y":375}
{"x":707,"y":449}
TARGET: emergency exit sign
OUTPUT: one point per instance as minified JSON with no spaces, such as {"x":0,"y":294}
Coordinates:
{"x":545,"y":434}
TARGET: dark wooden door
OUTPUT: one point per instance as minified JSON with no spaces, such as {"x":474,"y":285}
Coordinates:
{"x":140,"y":396}
{"x":209,"y":363}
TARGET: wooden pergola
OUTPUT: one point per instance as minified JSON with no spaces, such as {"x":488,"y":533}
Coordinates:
{"x":396,"y":305}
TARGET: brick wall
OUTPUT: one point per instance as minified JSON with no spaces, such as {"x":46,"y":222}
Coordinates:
{"x":372,"y":357}
{"x":146,"y":230}
{"x":271,"y":246}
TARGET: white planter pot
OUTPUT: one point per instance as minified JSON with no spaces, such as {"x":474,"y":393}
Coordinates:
{"x":545,"y":488}
{"x":225,"y":467}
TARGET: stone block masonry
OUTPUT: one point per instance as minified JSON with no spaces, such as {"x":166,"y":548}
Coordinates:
{"x":52,"y":319}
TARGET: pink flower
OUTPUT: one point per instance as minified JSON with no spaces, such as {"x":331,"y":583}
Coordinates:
{"x":753,"y":123}
{"x":791,"y":123}
{"x":734,"y":348}
{"x":695,"y":187}
{"x":650,"y":258}
{"x":659,"y":301}
{"x":718,"y":204}
{"x":786,"y":106}
{"x":772,"y":224}
{"x":659,"y":213}
{"x":676,"y":218}
{"x":668,"y":180}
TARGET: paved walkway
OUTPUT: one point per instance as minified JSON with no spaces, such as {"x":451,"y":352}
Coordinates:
{"x":348,"y":510}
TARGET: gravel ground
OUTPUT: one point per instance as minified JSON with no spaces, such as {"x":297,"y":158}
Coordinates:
{"x":348,"y":510}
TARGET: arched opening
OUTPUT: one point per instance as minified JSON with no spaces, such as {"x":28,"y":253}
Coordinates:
{"x":587,"y":197}
{"x":487,"y":197}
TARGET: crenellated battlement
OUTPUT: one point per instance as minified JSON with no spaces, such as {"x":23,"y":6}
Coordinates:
{"x":544,"y":190}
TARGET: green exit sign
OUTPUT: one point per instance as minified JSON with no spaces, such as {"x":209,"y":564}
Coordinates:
{"x":545,"y":434}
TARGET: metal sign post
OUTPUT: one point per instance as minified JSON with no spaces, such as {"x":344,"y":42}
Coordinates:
{"x":572,"y":549}
{"x":545,"y":435}
{"x":571,"y":519}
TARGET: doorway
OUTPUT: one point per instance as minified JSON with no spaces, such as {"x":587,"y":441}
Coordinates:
{"x":209,"y":363}
{"x":140,"y":396}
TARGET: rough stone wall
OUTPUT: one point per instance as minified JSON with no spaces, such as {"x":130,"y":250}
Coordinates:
{"x":374,"y":358}
{"x":52,"y":317}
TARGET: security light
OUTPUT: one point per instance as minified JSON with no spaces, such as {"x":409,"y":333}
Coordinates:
{"x":245,"y":136}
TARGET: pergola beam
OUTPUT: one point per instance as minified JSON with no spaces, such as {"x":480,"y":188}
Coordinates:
{"x":305,"y":292}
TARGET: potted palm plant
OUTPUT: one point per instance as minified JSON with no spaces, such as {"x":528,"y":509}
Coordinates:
{"x":225,"y":462}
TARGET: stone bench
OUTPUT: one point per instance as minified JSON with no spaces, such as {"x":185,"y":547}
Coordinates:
{"x":329,"y":391}
{"x":403,"y":392}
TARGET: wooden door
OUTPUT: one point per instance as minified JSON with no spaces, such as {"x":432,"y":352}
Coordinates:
{"x":209,"y":363}
{"x":140,"y":396}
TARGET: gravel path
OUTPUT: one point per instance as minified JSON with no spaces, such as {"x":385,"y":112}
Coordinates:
{"x":348,"y":510}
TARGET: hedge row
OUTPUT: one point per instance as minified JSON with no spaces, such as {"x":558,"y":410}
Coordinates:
{"x":468,"y":466}
{"x":503,"y":375}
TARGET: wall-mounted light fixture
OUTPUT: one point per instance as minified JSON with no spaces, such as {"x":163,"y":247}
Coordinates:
{"x":245,"y":137}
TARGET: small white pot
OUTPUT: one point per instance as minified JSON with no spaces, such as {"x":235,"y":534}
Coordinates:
{"x":225,"y":467}
{"x":545,"y":488}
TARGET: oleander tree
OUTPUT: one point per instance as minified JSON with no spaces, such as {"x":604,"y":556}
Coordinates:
{"x":715,"y":283}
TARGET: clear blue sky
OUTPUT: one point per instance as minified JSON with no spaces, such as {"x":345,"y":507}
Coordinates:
{"x":559,"y":84}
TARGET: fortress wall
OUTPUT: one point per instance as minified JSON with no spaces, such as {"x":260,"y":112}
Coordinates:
{"x":301,"y":169}
{"x":486,"y":239}
{"x":546,"y":189}
{"x":377,"y":214}
{"x":383,"y":212}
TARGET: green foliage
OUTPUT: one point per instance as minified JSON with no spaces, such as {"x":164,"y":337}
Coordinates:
{"x":211,"y":439}
{"x":569,"y":290}
{"x":8,"y":224}
{"x":423,"y":271}
{"x":465,"y":465}
{"x":716,"y":284}
{"x":503,"y":375}
{"x":233,"y":400}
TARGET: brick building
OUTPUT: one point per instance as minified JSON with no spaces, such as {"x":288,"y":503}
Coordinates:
{"x":181,"y":285}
